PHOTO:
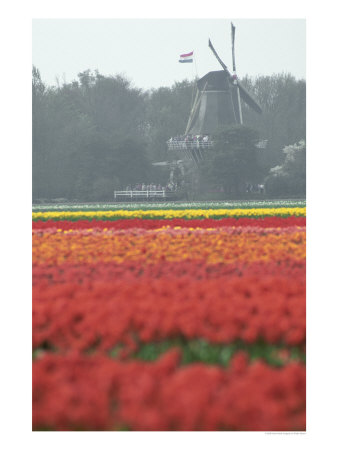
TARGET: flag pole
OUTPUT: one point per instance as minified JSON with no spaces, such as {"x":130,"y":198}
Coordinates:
{"x":192,"y":58}
{"x":195,"y":64}
{"x":194,"y":89}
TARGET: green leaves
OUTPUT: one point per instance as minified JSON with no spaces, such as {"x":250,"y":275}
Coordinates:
{"x":199,"y":350}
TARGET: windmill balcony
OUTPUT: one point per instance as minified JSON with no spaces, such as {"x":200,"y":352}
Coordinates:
{"x":188,"y":145}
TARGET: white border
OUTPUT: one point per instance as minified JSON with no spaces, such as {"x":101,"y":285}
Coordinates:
{"x":16,"y":196}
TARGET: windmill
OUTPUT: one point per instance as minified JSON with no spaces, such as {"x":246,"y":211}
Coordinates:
{"x":217,"y":104}
{"x":218,"y":100}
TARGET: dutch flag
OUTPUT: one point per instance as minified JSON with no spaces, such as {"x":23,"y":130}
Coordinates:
{"x":186,"y":57}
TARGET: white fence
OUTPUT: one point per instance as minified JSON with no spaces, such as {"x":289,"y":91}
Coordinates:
{"x":143,"y":194}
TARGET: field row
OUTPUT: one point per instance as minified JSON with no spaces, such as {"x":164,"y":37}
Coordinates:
{"x":210,"y":245}
{"x":150,"y":224}
{"x":169,"y":214}
{"x":77,"y":392}
{"x":103,"y":313}
{"x":172,"y":205}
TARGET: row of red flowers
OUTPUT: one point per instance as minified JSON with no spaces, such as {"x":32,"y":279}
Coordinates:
{"x":249,"y":307}
{"x":98,"y":393}
{"x":265,"y":222}
{"x":87,"y":273}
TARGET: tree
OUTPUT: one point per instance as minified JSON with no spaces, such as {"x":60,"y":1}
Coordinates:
{"x":38,"y":133}
{"x":168,"y":111}
{"x":112,"y":104}
{"x":131,"y":163}
{"x":283,"y":122}
{"x":233,"y":159}
{"x":103,"y":188}
{"x":290,"y":177}
{"x":88,"y":137}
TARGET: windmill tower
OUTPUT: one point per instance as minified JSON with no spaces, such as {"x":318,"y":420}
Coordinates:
{"x":217,"y":104}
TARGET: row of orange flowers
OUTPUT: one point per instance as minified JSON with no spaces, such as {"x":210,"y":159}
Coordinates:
{"x":211,"y":245}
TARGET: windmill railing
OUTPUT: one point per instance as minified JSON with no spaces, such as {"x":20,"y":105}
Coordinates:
{"x":262,"y":144}
{"x":197,"y":151}
{"x":189,"y":145}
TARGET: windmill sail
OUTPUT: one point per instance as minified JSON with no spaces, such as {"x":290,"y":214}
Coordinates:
{"x":219,"y":59}
{"x":244,"y":94}
{"x":235,"y":75}
{"x":248,"y":98}
{"x":233,"y":47}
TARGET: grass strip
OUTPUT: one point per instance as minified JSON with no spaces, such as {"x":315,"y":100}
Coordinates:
{"x":200,"y":351}
{"x":130,"y":206}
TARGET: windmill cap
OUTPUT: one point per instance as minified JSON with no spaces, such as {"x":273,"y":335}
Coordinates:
{"x":217,"y":80}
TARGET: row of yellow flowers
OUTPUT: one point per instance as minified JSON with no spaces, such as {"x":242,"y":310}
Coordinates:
{"x":168,"y":214}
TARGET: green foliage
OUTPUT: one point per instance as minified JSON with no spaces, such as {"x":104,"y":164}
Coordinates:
{"x":290,"y":177}
{"x":131,"y":161}
{"x":200,"y":350}
{"x":102,"y":127}
{"x":104,"y":187}
{"x":233,"y":159}
{"x":283,"y":100}
{"x":168,"y":110}
{"x":112,"y":104}
{"x":88,"y":137}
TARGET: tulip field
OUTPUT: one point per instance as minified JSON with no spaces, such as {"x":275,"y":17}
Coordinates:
{"x":169,"y":316}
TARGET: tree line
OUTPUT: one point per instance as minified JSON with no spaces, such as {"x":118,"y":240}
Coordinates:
{"x":100,"y":133}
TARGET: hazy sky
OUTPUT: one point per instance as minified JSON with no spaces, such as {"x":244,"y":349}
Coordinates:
{"x":146,"y":51}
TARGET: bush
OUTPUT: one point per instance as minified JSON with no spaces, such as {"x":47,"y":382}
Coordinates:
{"x":233,"y":160}
{"x":290,"y":177}
{"x":103,"y":189}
